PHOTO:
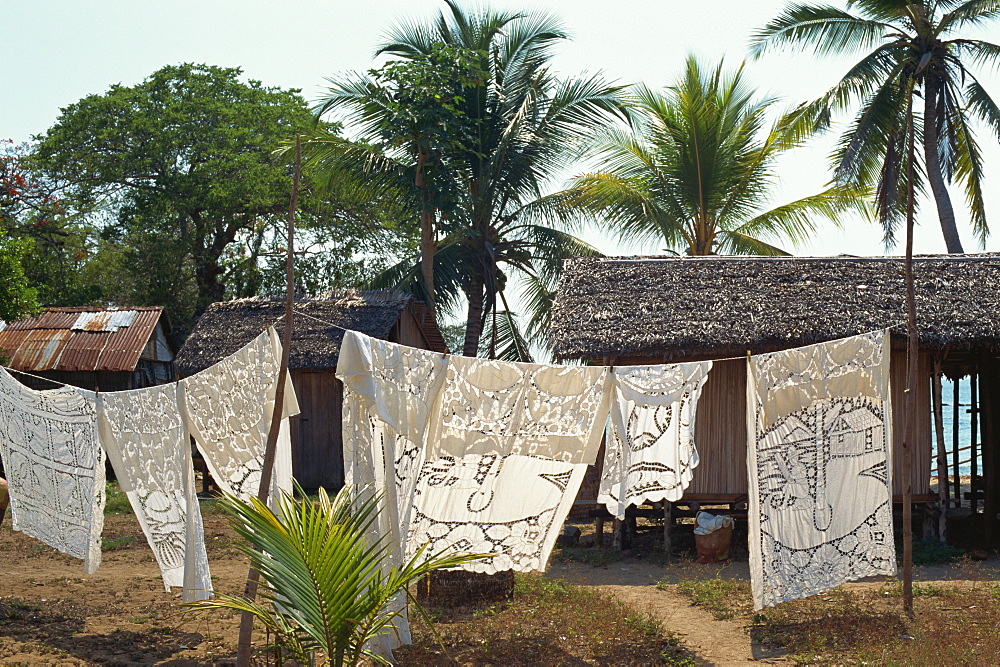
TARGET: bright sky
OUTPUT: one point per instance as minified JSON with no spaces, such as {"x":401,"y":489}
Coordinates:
{"x":58,"y":51}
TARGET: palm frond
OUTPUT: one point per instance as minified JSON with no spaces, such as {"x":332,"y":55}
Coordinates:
{"x":829,"y":30}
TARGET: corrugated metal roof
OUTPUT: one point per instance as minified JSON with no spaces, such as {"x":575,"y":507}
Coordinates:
{"x":109,"y":339}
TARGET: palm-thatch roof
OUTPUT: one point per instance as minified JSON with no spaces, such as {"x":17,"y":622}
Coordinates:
{"x":317,"y":329}
{"x":666,"y":308}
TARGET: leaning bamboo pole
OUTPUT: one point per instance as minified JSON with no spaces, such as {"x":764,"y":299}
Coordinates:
{"x":910,"y":409}
{"x":267,"y":468}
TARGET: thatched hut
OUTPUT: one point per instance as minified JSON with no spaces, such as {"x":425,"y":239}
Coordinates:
{"x":645,"y":310}
{"x":317,"y":331}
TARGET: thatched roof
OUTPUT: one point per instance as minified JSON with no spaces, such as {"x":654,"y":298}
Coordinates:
{"x":317,"y":330}
{"x":665,"y":309}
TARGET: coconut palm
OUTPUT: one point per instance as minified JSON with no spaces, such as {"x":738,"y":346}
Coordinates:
{"x":327,"y":593}
{"x":524,"y":122}
{"x":694,"y":168}
{"x":915,"y":45}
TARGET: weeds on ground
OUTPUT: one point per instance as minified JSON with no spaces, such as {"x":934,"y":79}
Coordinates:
{"x":116,"y":500}
{"x":931,"y":552}
{"x":118,"y":543}
{"x":725,"y":599}
{"x":548,"y":621}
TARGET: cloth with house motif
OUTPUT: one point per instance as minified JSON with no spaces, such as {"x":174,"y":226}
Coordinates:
{"x":650,"y":451}
{"x":819,"y":456}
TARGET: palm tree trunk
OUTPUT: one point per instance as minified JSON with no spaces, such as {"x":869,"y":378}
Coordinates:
{"x":427,"y":244}
{"x":932,"y":159}
{"x":474,"y":321}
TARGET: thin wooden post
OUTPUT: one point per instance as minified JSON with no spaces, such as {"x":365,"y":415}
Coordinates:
{"x":974,"y":438}
{"x":942,"y":454}
{"x":668,"y":524}
{"x":990,"y":399}
{"x":912,"y":350}
{"x":253,"y":577}
{"x":599,"y":530}
{"x":955,"y":470}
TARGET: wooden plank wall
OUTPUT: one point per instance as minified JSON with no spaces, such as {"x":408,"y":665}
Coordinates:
{"x":317,"y":446}
{"x":720,"y":428}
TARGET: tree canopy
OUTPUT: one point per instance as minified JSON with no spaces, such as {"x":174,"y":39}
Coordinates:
{"x":695,"y":167}
{"x":915,"y":46}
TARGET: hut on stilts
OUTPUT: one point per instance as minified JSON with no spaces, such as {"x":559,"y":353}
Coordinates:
{"x":646,"y":310}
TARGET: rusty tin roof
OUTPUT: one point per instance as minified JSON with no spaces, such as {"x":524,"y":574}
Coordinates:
{"x":79,"y":339}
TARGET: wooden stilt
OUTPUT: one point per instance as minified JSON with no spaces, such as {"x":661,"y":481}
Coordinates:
{"x":942,"y":454}
{"x":974,"y":441}
{"x":990,"y":403}
{"x":616,"y":534}
{"x":955,"y":471}
{"x":668,"y":524}
{"x":599,"y":529}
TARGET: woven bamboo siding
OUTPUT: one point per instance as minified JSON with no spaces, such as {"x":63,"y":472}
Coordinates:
{"x":720,"y":427}
{"x":720,"y":431}
{"x":317,"y":456}
{"x":922,"y":438}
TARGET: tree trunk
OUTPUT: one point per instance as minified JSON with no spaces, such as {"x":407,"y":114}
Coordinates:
{"x":427,"y":244}
{"x":474,"y":321}
{"x":932,"y":159}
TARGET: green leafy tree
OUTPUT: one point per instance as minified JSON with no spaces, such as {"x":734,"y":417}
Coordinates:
{"x":17,"y":297}
{"x":181,"y":166}
{"x":326,"y":591}
{"x":526,"y":122}
{"x":695,"y":167}
{"x":912,"y":46}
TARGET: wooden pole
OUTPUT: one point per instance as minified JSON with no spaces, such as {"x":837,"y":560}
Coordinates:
{"x":942,"y":462}
{"x":910,"y":411}
{"x":253,"y":577}
{"x":956,"y":396}
{"x":974,"y":437}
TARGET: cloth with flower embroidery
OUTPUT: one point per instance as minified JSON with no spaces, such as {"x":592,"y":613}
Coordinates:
{"x":508,"y":446}
{"x":143,"y":433}
{"x":819,"y":461}
{"x":227,"y":408}
{"x":650,"y":449}
{"x":55,"y":467}
{"x":388,"y":392}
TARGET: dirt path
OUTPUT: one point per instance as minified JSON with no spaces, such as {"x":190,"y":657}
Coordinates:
{"x":716,"y":642}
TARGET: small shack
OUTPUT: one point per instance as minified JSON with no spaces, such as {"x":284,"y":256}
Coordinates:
{"x":317,"y":330}
{"x":645,"y":310}
{"x":109,"y":349}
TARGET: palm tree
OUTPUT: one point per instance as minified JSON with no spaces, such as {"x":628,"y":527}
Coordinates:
{"x":914,"y":46}
{"x":524,"y":123}
{"x":695,"y":165}
{"x":327,"y":588}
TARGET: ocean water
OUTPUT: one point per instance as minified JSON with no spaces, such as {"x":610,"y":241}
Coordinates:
{"x":964,"y":424}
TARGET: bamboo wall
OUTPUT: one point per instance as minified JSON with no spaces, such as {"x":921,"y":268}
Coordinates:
{"x":720,"y":427}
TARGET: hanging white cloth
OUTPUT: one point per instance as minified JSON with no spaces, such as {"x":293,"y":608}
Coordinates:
{"x":143,"y":433}
{"x":388,"y":393}
{"x":508,"y":446}
{"x":819,"y":460}
{"x":650,"y":450}
{"x":506,"y":408}
{"x":55,"y":467}
{"x":227,"y":409}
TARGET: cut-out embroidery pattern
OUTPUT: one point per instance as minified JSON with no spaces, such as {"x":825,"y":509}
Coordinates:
{"x":511,"y":507}
{"x":228,"y":409}
{"x":650,"y":450}
{"x":819,"y":454}
{"x":55,"y":467}
{"x":495,"y":407}
{"x":147,"y":444}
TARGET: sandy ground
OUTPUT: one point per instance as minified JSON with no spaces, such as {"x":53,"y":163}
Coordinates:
{"x":50,"y":612}
{"x":720,"y":642}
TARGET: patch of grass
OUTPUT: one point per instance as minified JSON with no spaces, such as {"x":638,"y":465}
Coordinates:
{"x":589,"y":555}
{"x":931,"y":552}
{"x":116,"y":501}
{"x":118,"y":543}
{"x":547,"y":621}
{"x":725,"y":599}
